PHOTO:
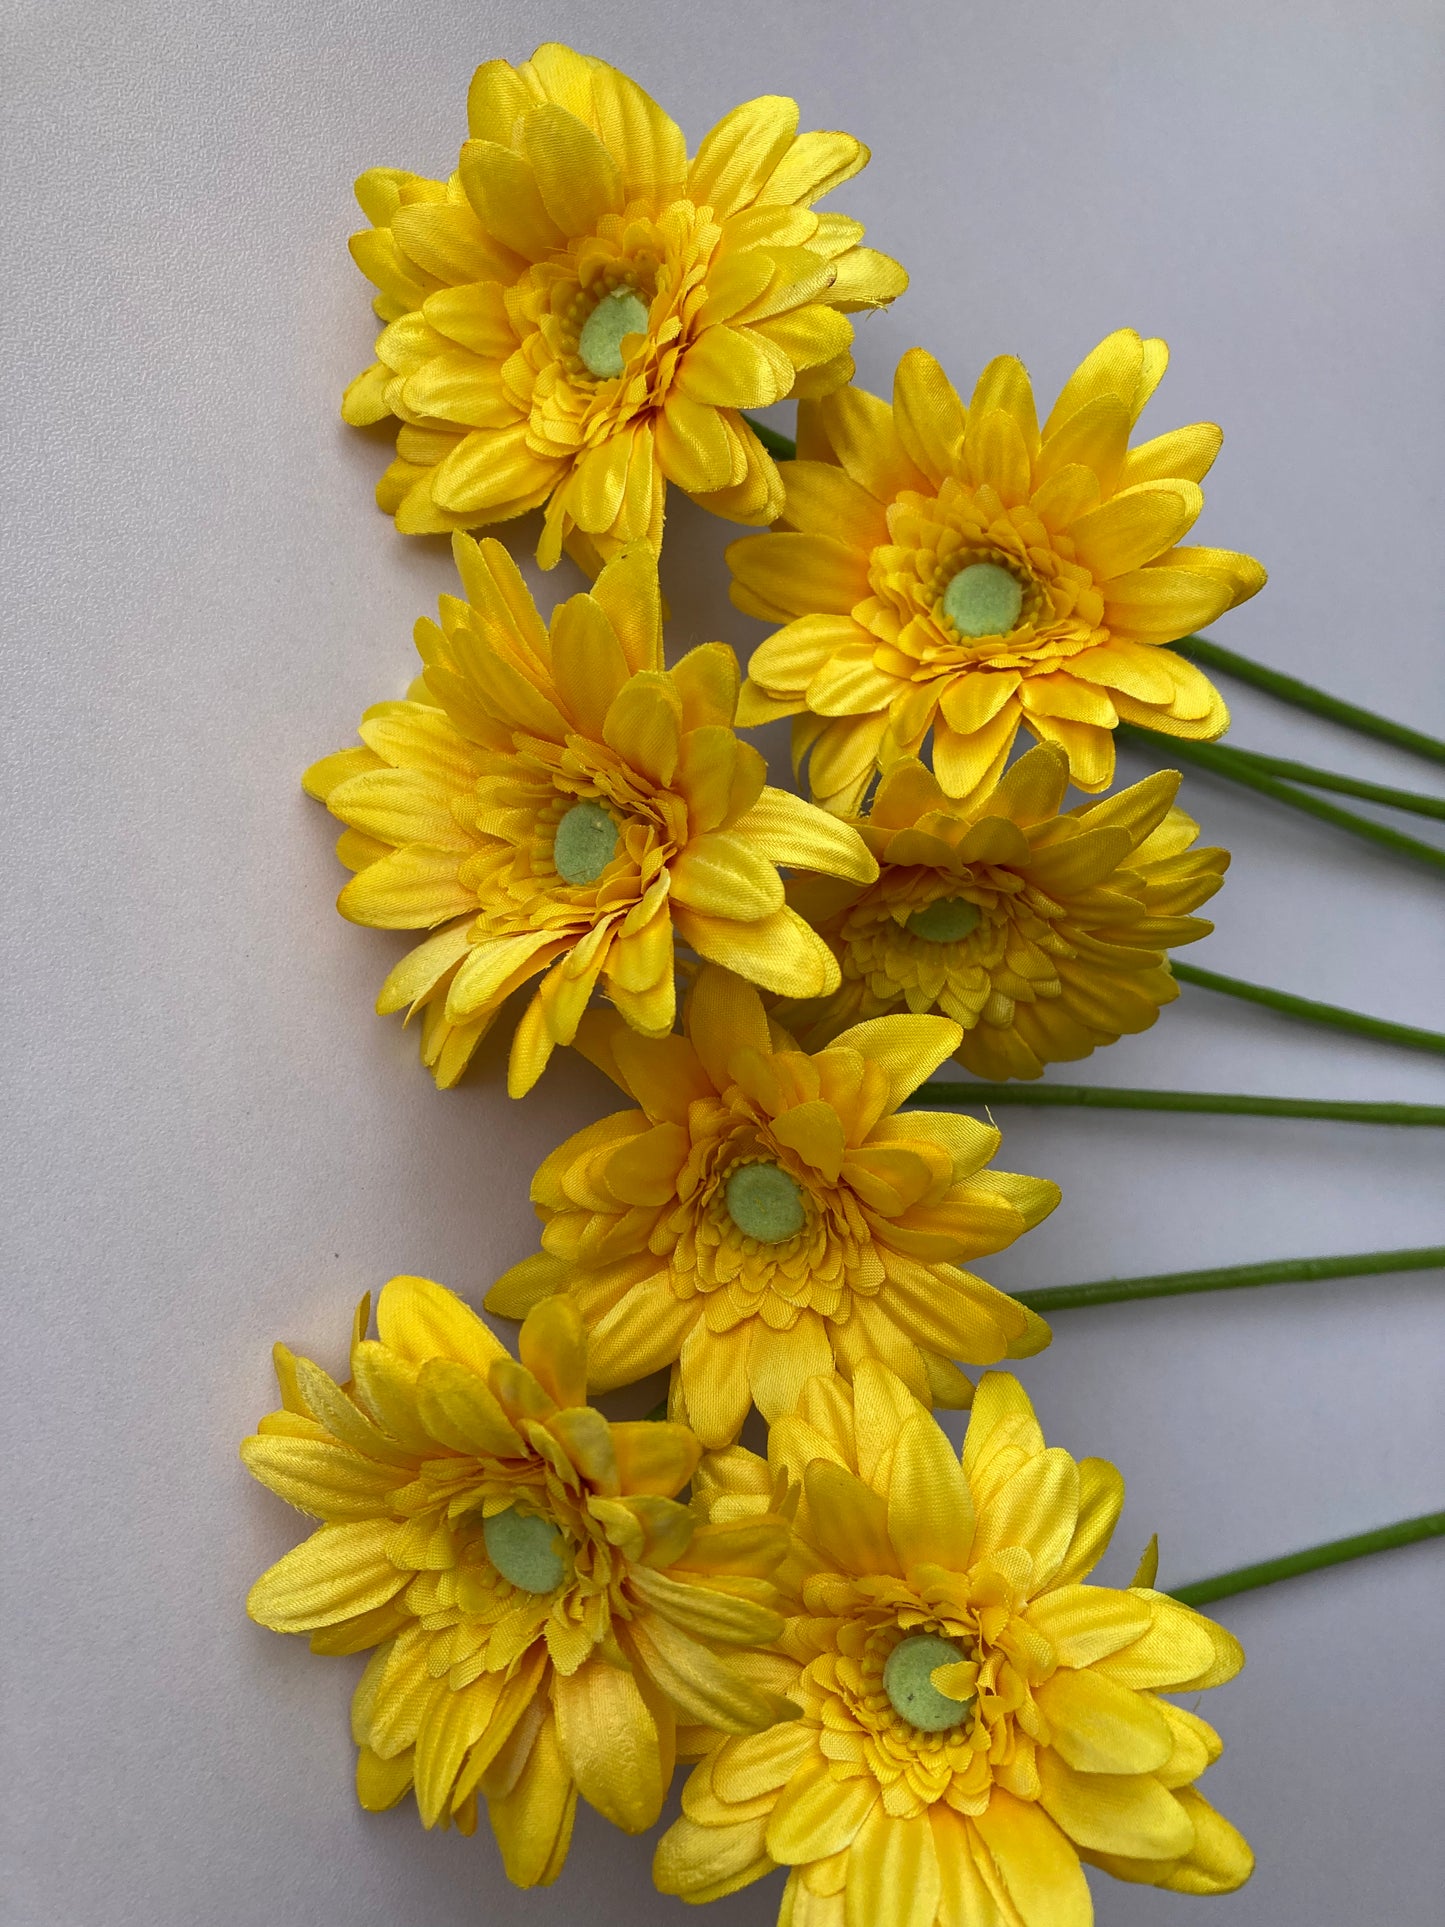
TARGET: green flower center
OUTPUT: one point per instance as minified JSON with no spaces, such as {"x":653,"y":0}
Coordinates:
{"x":526,"y":1550}
{"x":585,"y":843}
{"x":946,"y":921}
{"x":912,"y":1694}
{"x":600,"y":345}
{"x":983,"y":600}
{"x":765,"y":1203}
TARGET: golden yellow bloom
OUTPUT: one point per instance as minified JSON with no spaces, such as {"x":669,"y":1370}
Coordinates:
{"x":1043,"y":935}
{"x":560,"y":803}
{"x":576,"y":317}
{"x":976,"y":1719}
{"x":765,"y":1215}
{"x":543,"y":1608}
{"x":965,"y":572}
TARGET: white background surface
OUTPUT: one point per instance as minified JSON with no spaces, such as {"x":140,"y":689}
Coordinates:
{"x":212,"y":1142}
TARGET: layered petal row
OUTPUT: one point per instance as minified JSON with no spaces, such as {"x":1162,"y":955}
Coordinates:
{"x":541,"y":1607}
{"x":977,"y":1721}
{"x":962,"y":573}
{"x":552,"y":803}
{"x":1044,"y":935}
{"x":764,"y":1215}
{"x":575,"y":319}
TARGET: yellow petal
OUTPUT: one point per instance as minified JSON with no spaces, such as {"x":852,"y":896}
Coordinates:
{"x":781,"y":1363}
{"x":723,"y":875}
{"x":717,"y":1392}
{"x":644,"y":726}
{"x":703,"y":1687}
{"x":418,"y":1320}
{"x":1038,"y":1868}
{"x":506,"y":199}
{"x":866,"y":442}
{"x":411,"y":889}
{"x":325,"y":1479}
{"x":553,"y":1347}
{"x":576,"y":176}
{"x":780,"y":951}
{"x":849,"y":1521}
{"x":1112,"y":369}
{"x":893,"y":1872}
{"x":1037,"y":1508}
{"x":338,"y":1573}
{"x":1101,"y":1500}
{"x":907,"y":1049}
{"x":1114,"y":1813}
{"x":1099,"y":1726}
{"x":930,"y":1506}
{"x":1182,"y":1649}
{"x":641,"y":1334}
{"x":927,"y":415}
{"x":818,"y":1814}
{"x":533,"y":1822}
{"x":609,"y":1741}
{"x":737,"y":156}
{"x":704,"y":1863}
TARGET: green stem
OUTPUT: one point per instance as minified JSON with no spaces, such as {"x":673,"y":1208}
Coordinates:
{"x":1096,"y":1097}
{"x":1407,"y":1532}
{"x":1324,"y":779}
{"x":1311,"y":1012}
{"x":1236,"y":766}
{"x":1278,"y":1271}
{"x":1289,"y":689}
{"x":782,"y":448}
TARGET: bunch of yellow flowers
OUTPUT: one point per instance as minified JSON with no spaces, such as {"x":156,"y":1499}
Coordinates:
{"x":884,"y":1659}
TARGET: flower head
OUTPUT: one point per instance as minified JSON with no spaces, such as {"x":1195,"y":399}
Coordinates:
{"x":963,"y":571}
{"x":1043,"y":935}
{"x":563,"y":807}
{"x":764,"y":1215}
{"x":543,"y":1608}
{"x":576,"y":317}
{"x":976,"y":1719}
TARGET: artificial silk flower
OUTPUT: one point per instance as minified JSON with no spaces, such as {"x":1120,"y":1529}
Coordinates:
{"x":764,"y":1215}
{"x":576,"y":317}
{"x":964,"y":572}
{"x":976,"y":1719}
{"x":1043,"y":935}
{"x":557,"y":804}
{"x":543,"y":1608}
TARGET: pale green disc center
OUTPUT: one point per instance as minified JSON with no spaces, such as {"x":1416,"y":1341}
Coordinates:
{"x":600,"y":345}
{"x":983,"y":600}
{"x":912,"y":1694}
{"x":585,"y":843}
{"x":947,"y":921}
{"x":765,"y":1203}
{"x":526,"y":1550}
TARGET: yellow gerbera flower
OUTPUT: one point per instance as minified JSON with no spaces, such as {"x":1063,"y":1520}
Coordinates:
{"x":577,"y":315}
{"x":560,"y":802}
{"x":965,"y":572}
{"x":765,"y":1215}
{"x":543,"y":1608}
{"x":976,"y":1720}
{"x":1043,"y":935}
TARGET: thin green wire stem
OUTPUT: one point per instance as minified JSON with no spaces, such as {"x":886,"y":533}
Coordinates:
{"x":1276,"y":1271}
{"x":1094,"y":1097}
{"x":1309,"y":1011}
{"x":1237,"y":766}
{"x":1411,"y":801}
{"x":782,"y":448}
{"x":1303,"y":695}
{"x":1405,"y":1532}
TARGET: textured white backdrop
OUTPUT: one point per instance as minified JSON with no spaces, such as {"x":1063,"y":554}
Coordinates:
{"x":211,"y":1140}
